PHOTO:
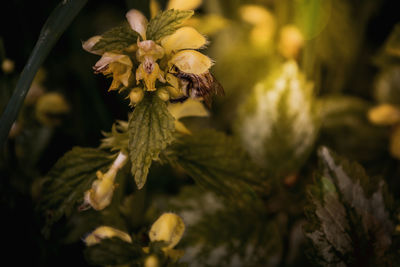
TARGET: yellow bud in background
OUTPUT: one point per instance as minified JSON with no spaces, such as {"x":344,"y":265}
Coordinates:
{"x":136,"y":95}
{"x":7,"y":65}
{"x":151,"y":261}
{"x":384,"y":114}
{"x":163,"y":94}
{"x":169,"y":228}
{"x":291,"y":41}
{"x":184,"y":4}
{"x":49,"y":106}
{"x":395,"y":142}
{"x":104,"y":232}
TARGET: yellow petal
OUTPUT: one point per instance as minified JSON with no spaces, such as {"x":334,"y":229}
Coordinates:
{"x":183,"y":38}
{"x":256,"y":15}
{"x":184,"y":4}
{"x":154,"y":8}
{"x":384,"y":114}
{"x":169,"y":227}
{"x":138,"y":22}
{"x":151,"y":261}
{"x":104,"y":232}
{"x":395,"y":142}
{"x":191,"y":61}
{"x":120,"y":66}
{"x":189,"y":108}
{"x":88,"y":44}
{"x":149,"y":78}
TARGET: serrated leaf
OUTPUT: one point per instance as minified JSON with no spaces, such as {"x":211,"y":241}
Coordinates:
{"x":151,"y":128}
{"x":278,"y":123}
{"x":113,"y":251}
{"x":166,"y":23}
{"x":349,"y":223}
{"x":217,"y":162}
{"x":116,"y":39}
{"x":67,"y":181}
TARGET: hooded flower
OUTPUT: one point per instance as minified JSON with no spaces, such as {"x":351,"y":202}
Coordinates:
{"x":117,"y":65}
{"x":189,"y":108}
{"x":99,"y":196}
{"x":104,"y":232}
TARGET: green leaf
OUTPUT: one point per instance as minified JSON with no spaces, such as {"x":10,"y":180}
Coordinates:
{"x":151,"y":128}
{"x":67,"y":181}
{"x":116,"y":39}
{"x":113,"y":251}
{"x":278,"y":123}
{"x":166,"y":23}
{"x":217,"y":162}
{"x":349,"y":221}
{"x":56,"y":24}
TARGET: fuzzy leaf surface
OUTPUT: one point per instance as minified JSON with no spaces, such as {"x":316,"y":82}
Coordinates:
{"x":150,"y":130}
{"x":116,"y":39}
{"x":113,"y":251}
{"x":166,"y":23}
{"x":349,"y":223}
{"x":217,"y":162}
{"x":70,"y":177}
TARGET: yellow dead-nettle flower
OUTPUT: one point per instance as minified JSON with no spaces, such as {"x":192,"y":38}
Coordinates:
{"x":117,"y":65}
{"x":104,"y":232}
{"x":189,"y":108}
{"x":263,"y":22}
{"x":388,"y":115}
{"x":169,"y":228}
{"x":100,"y":195}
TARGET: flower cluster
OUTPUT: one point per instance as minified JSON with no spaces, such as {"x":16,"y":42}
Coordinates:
{"x":171,"y":65}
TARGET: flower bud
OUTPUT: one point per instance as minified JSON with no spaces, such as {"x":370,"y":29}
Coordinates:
{"x":136,"y":95}
{"x":104,"y":232}
{"x":163,"y":94}
{"x":169,"y":228}
{"x":290,"y":42}
{"x":384,"y":114}
{"x":151,"y":261}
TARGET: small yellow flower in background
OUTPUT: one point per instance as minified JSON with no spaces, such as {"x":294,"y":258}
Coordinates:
{"x":104,"y":232}
{"x":388,"y":115}
{"x":189,"y":108}
{"x":263,"y":22}
{"x":291,"y":41}
{"x":169,"y":228}
{"x":151,"y":261}
{"x":120,"y":66}
{"x":49,"y":107}
{"x":7,"y":66}
{"x":99,"y":196}
{"x":184,"y":4}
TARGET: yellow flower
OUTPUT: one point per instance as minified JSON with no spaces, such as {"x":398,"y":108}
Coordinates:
{"x":104,"y":232}
{"x":388,"y":115}
{"x":263,"y":22}
{"x":99,"y":196}
{"x":169,"y":228}
{"x":189,"y":108}
{"x":290,"y":41}
{"x":120,"y":66}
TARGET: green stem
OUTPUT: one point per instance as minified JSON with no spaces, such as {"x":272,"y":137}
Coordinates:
{"x":56,"y":24}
